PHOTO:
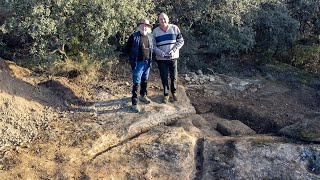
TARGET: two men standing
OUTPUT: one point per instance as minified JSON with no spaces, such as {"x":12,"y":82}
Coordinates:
{"x":166,"y":41}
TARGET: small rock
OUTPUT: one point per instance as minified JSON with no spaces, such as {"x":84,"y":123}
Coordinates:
{"x":199,"y":72}
{"x":234,"y":128}
{"x":187,"y":78}
{"x":217,"y":93}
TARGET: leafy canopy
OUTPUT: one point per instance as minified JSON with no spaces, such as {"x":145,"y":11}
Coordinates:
{"x":56,"y":29}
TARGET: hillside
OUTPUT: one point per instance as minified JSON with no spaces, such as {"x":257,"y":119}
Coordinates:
{"x":222,"y":127}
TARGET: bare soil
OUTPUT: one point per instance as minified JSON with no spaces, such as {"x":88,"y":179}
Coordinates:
{"x":43,"y":113}
{"x":266,"y":107}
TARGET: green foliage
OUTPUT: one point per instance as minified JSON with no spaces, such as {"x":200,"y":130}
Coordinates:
{"x":307,"y":57}
{"x":307,"y":12}
{"x":309,"y":136}
{"x":275,"y":28}
{"x":54,"y":30}
{"x":94,"y":30}
{"x":219,"y":25}
{"x":227,"y":31}
{"x":129,"y":12}
{"x":234,"y":27}
{"x":290,"y":73}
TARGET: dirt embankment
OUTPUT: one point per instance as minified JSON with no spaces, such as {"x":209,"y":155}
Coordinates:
{"x":25,"y":108}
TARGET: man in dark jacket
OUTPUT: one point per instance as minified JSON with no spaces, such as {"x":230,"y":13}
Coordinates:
{"x":140,"y":48}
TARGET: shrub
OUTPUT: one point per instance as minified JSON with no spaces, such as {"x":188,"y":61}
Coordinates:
{"x":218,"y":25}
{"x":275,"y":28}
{"x":307,"y":57}
{"x":55,"y":30}
{"x":85,"y":71}
{"x":233,"y":27}
{"x":307,"y":12}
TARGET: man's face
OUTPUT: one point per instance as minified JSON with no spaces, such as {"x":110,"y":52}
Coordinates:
{"x":163,"y":20}
{"x":144,"y":29}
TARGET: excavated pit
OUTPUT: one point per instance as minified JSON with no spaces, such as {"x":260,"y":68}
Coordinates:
{"x":260,"y":124}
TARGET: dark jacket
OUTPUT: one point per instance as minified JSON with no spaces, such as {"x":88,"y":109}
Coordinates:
{"x":132,"y":48}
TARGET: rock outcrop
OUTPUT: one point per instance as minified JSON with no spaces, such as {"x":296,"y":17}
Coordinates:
{"x":234,"y":128}
{"x":306,"y":130}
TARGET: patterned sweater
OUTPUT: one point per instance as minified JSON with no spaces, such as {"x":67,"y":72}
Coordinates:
{"x":165,"y":41}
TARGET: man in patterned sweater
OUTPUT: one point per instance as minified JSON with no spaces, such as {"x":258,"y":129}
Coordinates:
{"x":167,"y":41}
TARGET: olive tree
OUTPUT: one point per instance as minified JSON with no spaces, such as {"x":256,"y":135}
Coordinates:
{"x":275,"y":28}
{"x":58,"y":29}
{"x":221,"y":27}
{"x":307,"y":12}
{"x":234,"y":27}
{"x":307,"y":48}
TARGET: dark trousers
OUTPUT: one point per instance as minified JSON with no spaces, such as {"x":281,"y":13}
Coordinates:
{"x":165,"y":67}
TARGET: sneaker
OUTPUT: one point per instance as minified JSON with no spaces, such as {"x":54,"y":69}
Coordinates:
{"x":135,"y":108}
{"x":166,"y":99}
{"x":145,"y":99}
{"x":174,"y":96}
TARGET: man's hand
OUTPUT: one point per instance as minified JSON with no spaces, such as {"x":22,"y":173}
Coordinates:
{"x":163,"y":54}
{"x":171,"y":54}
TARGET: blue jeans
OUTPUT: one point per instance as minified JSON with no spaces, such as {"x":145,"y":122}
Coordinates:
{"x":170,"y":66}
{"x":140,"y":77}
